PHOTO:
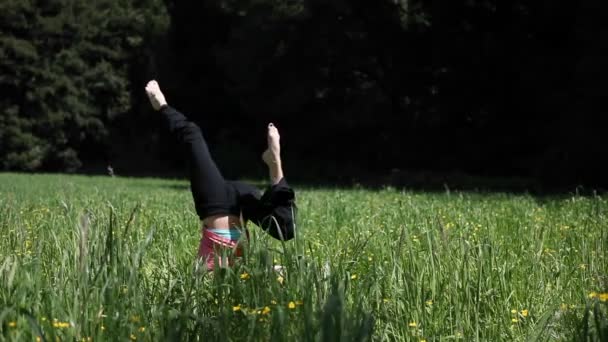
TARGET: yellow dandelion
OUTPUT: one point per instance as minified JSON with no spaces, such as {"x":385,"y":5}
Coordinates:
{"x":422,"y":340}
{"x":524,"y":312}
{"x":592,"y":295}
{"x":266,"y":310}
{"x":236,"y":308}
{"x":12,"y":324}
{"x":412,"y":324}
{"x":514,"y":320}
{"x":38,"y":339}
{"x":280,"y":279}
{"x":429,"y":302}
{"x":291,"y":305}
{"x":353,"y":277}
{"x":513,"y":311}
{"x":245,"y":276}
{"x":133,"y":337}
{"x":603,"y":296}
{"x":61,"y":325}
{"x":141,"y":329}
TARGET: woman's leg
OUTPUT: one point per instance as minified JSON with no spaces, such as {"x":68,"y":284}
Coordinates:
{"x":212,"y":199}
{"x":207,"y":183}
{"x":208,"y":187}
{"x":272,"y":155}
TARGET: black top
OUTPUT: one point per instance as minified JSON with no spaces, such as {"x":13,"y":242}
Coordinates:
{"x":274,"y":211}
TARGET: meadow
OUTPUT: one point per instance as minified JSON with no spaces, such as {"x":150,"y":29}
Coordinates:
{"x":114,"y":259}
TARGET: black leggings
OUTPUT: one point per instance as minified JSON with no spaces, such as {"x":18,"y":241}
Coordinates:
{"x":211,"y":194}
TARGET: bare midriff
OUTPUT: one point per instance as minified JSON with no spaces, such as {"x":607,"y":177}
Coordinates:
{"x":222,"y":221}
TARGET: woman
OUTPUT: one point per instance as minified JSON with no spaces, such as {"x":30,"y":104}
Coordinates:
{"x":224,"y":206}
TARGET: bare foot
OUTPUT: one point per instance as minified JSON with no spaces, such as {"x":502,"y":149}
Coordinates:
{"x":272,"y":155}
{"x":157,"y":99}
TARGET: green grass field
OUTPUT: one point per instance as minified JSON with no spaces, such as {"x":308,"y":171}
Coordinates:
{"x":100,"y":258}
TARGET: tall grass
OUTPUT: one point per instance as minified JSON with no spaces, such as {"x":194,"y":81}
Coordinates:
{"x":95,"y":258}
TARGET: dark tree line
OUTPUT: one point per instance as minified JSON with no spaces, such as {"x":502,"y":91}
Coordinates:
{"x":65,"y":75}
{"x":358,"y":88}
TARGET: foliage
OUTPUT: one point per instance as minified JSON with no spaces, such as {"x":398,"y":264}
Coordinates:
{"x":408,"y":84}
{"x":114,"y":259}
{"x":397,"y":84}
{"x":65,"y":74}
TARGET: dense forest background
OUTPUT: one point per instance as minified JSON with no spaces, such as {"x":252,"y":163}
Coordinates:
{"x":406,"y":92}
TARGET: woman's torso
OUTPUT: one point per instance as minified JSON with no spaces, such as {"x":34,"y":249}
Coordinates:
{"x":222,"y":221}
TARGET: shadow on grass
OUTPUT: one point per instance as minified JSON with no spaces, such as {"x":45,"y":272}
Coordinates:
{"x":415,"y":181}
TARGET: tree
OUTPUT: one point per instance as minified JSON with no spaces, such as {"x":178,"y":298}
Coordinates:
{"x":64,"y":75}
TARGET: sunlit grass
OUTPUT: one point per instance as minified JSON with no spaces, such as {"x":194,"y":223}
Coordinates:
{"x":99,"y":258}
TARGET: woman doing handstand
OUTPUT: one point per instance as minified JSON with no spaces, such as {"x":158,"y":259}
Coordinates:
{"x":225,"y":206}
